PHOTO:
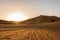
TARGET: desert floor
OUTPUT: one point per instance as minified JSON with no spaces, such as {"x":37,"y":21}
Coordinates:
{"x":29,"y":32}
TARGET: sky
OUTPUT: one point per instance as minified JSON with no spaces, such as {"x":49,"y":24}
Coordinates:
{"x":30,"y":8}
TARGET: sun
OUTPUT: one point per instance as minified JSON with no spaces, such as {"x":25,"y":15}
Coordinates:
{"x":16,"y":17}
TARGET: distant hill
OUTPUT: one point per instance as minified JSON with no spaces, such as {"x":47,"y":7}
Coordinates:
{"x":5,"y":22}
{"x":42,"y":19}
{"x":39,"y":19}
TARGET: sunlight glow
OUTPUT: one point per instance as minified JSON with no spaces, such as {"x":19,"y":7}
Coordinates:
{"x":16,"y":17}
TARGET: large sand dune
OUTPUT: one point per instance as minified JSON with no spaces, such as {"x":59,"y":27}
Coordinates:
{"x":48,"y":29}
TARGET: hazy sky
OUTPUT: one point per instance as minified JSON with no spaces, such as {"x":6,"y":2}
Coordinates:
{"x":30,"y":8}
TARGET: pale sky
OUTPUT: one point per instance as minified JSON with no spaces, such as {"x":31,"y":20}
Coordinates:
{"x":31,"y":8}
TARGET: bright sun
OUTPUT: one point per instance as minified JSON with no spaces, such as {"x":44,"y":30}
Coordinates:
{"x":16,"y":17}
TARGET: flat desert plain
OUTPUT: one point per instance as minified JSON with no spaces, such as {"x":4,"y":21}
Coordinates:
{"x":44,"y":31}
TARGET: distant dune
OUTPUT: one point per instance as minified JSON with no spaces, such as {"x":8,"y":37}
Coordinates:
{"x":42,"y":19}
{"x":39,"y":19}
{"x":6,"y":22}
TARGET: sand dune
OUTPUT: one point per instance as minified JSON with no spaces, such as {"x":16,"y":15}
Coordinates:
{"x":42,"y":19}
{"x":39,"y":28}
